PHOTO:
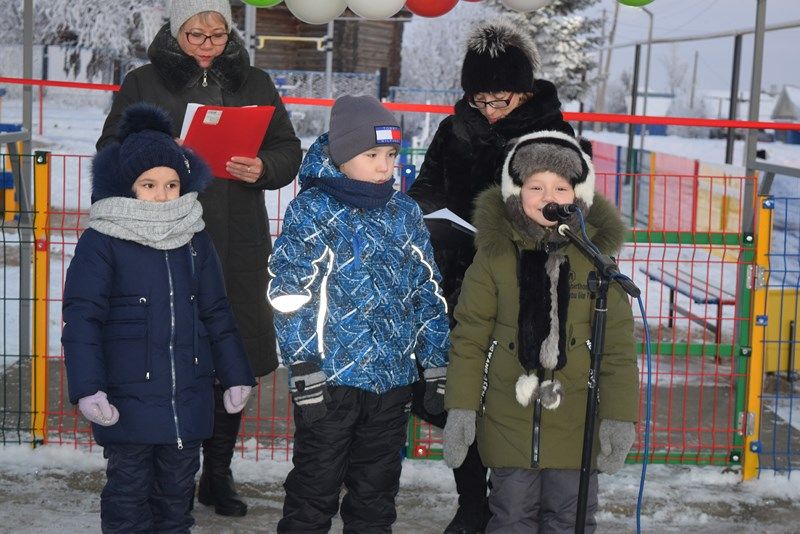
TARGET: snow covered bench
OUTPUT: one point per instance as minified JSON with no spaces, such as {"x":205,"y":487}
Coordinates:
{"x":700,"y":290}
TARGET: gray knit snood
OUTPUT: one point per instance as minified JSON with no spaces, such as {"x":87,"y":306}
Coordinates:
{"x":159,"y":225}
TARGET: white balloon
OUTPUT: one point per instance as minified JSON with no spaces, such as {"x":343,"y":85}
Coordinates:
{"x":525,"y":5}
{"x":375,"y":9}
{"x":316,"y":11}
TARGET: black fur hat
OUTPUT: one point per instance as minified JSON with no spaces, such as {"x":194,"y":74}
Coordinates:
{"x":499,"y":58}
{"x":144,"y":141}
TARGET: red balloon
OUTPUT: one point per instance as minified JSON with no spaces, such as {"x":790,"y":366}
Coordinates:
{"x":430,"y":8}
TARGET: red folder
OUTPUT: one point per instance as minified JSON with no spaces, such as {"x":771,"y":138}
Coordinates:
{"x":217,"y":133}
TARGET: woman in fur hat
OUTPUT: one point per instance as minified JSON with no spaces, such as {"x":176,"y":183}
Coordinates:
{"x":519,"y":360}
{"x":503,"y":99}
{"x":199,"y":57}
{"x":147,"y":326}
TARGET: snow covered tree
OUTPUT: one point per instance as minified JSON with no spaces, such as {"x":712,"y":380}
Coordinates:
{"x":112,"y":29}
{"x":676,"y":70}
{"x":433,"y":49}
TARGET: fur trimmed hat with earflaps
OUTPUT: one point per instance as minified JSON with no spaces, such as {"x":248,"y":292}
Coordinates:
{"x":544,"y":273}
{"x":499,"y":58}
{"x":144,"y":141}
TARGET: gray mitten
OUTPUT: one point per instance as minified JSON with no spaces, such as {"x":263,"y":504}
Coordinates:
{"x":616,"y":439}
{"x":435,"y":380}
{"x":308,"y":390}
{"x":459,"y":433}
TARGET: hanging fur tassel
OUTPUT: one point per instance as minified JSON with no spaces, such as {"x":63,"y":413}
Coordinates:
{"x":527,"y":385}
{"x":550,"y":393}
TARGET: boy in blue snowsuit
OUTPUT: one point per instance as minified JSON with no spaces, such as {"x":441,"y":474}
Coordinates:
{"x":148,"y":326}
{"x":357,"y":302}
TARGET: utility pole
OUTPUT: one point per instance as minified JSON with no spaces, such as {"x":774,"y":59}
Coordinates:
{"x":601,"y":93}
{"x":694,"y":80}
{"x":600,"y":57}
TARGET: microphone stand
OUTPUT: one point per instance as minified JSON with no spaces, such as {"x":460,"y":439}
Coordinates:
{"x":598,"y":282}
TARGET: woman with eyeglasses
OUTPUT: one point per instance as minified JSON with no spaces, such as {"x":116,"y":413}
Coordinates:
{"x":503,"y":99}
{"x":199,"y":57}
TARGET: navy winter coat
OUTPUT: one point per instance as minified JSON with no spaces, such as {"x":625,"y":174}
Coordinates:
{"x":151,"y":328}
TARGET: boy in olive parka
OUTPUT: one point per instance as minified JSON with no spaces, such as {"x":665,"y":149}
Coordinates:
{"x":519,"y":360}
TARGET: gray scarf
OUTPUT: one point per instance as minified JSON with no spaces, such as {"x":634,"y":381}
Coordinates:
{"x":159,"y":225}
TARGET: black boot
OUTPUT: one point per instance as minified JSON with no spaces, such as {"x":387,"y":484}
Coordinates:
{"x":473,"y":507}
{"x":216,"y":482}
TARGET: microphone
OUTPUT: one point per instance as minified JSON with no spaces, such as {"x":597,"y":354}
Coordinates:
{"x":558,"y":212}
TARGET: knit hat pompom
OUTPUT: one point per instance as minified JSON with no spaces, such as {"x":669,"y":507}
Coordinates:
{"x":552,"y":151}
{"x":499,"y":58}
{"x":182,"y":10}
{"x":138,"y":118}
{"x":144,"y":141}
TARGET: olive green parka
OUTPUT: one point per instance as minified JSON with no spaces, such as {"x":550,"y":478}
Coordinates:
{"x":487,"y":323}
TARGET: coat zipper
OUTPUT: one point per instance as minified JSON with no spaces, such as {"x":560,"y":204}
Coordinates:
{"x":485,"y":381}
{"x":537,"y":429}
{"x":357,"y":245}
{"x":205,"y":78}
{"x":195,"y":313}
{"x":173,"y":400}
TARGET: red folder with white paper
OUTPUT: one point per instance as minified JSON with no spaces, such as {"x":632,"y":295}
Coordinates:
{"x":217,"y":133}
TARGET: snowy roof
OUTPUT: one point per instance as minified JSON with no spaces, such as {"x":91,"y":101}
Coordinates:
{"x":717,"y":103}
{"x":787,"y":107}
{"x":657,"y":104}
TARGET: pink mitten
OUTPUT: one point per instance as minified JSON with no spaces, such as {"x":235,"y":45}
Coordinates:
{"x":97,"y":409}
{"x":235,"y":398}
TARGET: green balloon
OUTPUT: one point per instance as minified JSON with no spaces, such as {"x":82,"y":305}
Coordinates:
{"x":262,"y":3}
{"x":632,"y":3}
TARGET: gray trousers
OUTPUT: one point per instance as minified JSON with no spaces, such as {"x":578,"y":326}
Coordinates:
{"x":529,"y":501}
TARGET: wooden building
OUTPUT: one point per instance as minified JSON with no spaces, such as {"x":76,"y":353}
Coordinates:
{"x":359,"y":45}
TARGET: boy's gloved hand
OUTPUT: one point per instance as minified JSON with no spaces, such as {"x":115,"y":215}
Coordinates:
{"x":459,"y":433}
{"x":435,"y":380}
{"x":97,"y":409}
{"x":616,"y":439}
{"x":235,"y":398}
{"x":308,"y":390}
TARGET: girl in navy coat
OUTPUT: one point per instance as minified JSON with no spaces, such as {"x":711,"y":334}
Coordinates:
{"x":148,"y":327}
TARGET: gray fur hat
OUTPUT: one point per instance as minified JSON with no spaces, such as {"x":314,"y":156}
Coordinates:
{"x":553,"y":151}
{"x":499,"y":58}
{"x":182,"y":10}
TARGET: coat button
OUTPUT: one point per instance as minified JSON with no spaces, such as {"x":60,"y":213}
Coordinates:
{"x":191,"y":298}
{"x":511,"y":346}
{"x":142,"y":300}
{"x":572,"y":342}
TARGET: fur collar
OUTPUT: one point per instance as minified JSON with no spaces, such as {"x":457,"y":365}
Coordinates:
{"x":495,"y":225}
{"x":542,"y":111}
{"x":180,"y":71}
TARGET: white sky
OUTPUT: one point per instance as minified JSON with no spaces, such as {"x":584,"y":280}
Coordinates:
{"x":676,"y":18}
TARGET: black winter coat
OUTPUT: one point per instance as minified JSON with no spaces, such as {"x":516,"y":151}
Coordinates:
{"x":463,"y":160}
{"x":233,"y":211}
{"x":152,"y":328}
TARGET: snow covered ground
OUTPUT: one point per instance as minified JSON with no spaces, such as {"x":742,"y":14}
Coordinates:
{"x":53,"y":489}
{"x":57,"y":488}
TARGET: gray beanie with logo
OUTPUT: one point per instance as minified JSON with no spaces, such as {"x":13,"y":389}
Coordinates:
{"x":359,"y":123}
{"x":182,"y":10}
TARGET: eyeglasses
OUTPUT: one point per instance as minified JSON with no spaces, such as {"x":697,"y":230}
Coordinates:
{"x":494,"y":104}
{"x":199,"y":38}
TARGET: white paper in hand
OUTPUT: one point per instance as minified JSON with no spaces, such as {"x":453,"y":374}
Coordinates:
{"x":191,"y":109}
{"x":447,"y":215}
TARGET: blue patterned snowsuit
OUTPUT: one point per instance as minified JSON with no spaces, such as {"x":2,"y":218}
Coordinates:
{"x":356,"y":290}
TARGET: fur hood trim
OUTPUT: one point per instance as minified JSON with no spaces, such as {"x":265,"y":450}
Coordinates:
{"x":180,"y":71}
{"x":495,"y":228}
